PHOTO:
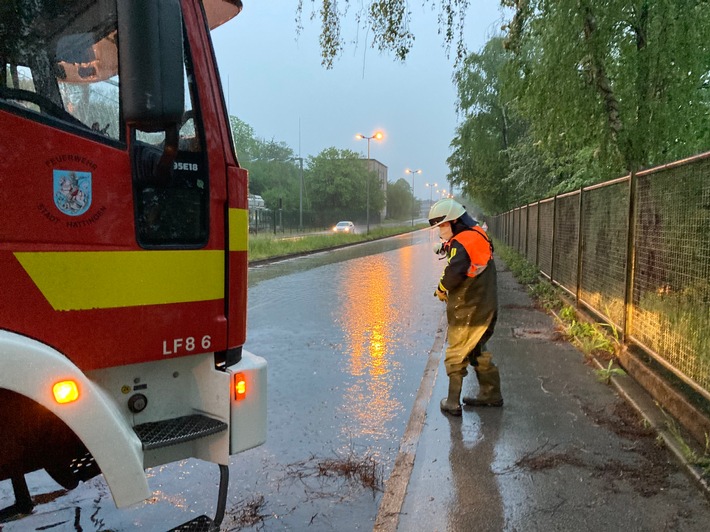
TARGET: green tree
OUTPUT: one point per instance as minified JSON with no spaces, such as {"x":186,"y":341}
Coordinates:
{"x":480,"y":160}
{"x":273,"y":171}
{"x":617,"y":85}
{"x":246,"y":143}
{"x":591,"y":89}
{"x":338,"y":182}
{"x":399,"y":199}
{"x":275,"y":176}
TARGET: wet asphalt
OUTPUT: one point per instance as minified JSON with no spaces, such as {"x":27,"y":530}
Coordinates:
{"x":354,"y":339}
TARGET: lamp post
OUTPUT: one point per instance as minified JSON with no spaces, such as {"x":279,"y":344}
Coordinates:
{"x":430,"y":186}
{"x":377,"y":136}
{"x":413,"y":172}
{"x":300,"y":192}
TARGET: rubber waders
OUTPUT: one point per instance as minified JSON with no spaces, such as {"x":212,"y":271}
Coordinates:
{"x":450,"y":405}
{"x":488,"y":383}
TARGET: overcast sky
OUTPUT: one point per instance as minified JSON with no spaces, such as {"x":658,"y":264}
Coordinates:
{"x":274,"y":81}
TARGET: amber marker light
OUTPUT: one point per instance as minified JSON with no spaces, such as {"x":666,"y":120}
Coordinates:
{"x":65,"y":392}
{"x":240,"y":386}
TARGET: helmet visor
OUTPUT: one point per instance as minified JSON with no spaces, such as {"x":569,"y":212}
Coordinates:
{"x":437,"y":220}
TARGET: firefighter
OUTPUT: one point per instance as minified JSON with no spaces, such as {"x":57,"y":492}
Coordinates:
{"x":469,"y":288}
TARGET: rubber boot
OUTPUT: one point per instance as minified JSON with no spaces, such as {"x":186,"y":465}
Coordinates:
{"x":450,"y":405}
{"x":488,"y":383}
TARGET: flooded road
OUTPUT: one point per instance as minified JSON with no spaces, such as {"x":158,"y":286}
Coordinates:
{"x":354,"y":343}
{"x":346,"y":334}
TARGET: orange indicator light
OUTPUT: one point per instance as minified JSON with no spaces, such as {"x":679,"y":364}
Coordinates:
{"x":65,"y":392}
{"x":240,"y":386}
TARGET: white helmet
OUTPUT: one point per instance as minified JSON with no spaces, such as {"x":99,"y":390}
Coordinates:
{"x":445,"y":210}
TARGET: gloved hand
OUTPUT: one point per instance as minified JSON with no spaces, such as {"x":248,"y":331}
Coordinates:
{"x":443,"y":296}
{"x":439,"y":248}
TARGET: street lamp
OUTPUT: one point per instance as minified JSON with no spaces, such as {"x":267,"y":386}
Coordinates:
{"x":300,"y":193}
{"x":377,"y":136}
{"x":430,"y":186}
{"x":413,"y":172}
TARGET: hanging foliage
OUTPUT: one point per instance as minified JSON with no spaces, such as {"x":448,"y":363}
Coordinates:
{"x":386,"y":21}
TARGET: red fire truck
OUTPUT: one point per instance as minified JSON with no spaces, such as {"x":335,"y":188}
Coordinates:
{"x":123,"y":247}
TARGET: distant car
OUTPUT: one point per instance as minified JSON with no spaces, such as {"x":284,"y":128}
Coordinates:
{"x":344,"y":227}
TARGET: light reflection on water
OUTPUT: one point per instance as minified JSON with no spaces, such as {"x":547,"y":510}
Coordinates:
{"x":370,"y":313}
{"x":264,"y":272}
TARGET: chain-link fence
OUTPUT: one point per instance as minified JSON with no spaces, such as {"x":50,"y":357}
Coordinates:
{"x":636,"y":251}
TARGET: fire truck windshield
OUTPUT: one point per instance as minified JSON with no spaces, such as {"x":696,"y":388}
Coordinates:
{"x":60,"y":59}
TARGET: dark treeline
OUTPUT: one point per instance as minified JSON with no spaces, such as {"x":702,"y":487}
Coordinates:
{"x":578,"y":91}
{"x":336,"y":183}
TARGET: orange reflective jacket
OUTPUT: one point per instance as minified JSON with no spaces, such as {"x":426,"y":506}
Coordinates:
{"x":479,"y":249}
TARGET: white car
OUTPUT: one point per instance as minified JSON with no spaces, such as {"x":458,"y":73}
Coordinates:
{"x":344,"y":227}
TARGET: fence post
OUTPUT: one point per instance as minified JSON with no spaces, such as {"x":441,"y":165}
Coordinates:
{"x":554,"y":223}
{"x":537,"y":237}
{"x":527,"y":229}
{"x":580,"y":246}
{"x":630,"y":258}
{"x":507,"y":228}
{"x":510,"y":239}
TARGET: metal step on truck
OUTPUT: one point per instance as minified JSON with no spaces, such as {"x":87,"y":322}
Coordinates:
{"x":123,"y":248}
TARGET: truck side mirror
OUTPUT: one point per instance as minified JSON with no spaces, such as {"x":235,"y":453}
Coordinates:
{"x":151,"y":63}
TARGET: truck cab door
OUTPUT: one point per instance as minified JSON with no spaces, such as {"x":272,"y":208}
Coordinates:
{"x":180,"y":190}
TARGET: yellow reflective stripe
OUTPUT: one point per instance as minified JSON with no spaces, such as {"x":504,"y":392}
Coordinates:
{"x":80,"y":280}
{"x":238,"y":230}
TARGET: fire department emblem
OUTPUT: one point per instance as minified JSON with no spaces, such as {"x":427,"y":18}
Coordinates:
{"x":72,"y":191}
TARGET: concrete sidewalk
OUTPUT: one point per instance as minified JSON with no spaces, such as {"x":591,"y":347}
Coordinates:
{"x":566,"y":452}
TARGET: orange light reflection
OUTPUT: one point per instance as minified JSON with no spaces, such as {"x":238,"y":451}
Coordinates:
{"x":372,"y":310}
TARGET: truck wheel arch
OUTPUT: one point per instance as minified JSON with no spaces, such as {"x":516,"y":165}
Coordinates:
{"x":31,"y":368}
